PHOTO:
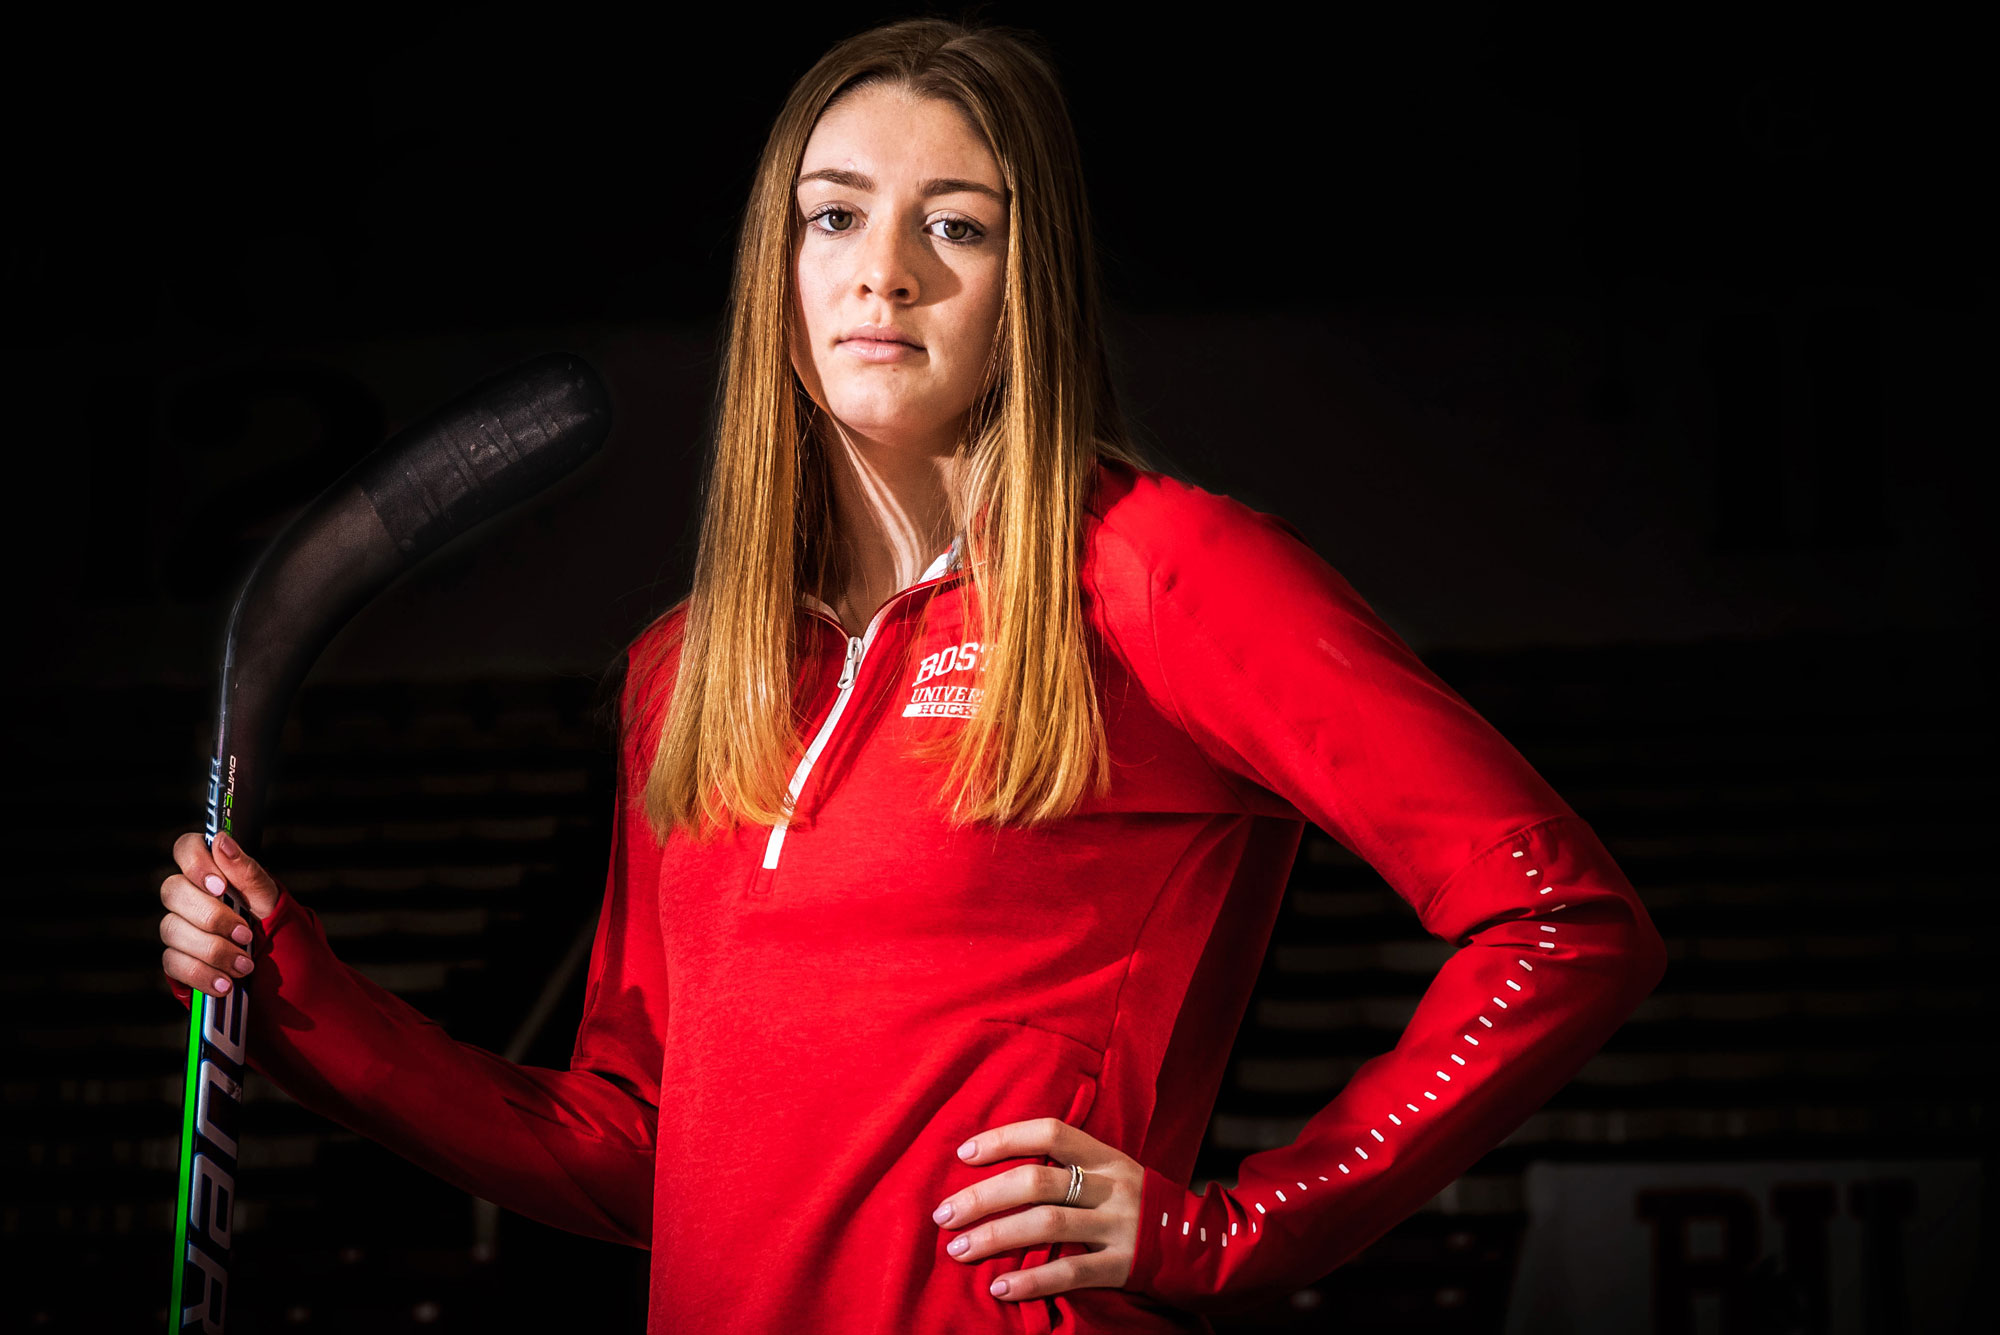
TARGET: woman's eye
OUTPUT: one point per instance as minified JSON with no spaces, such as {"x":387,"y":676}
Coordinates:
{"x":838,"y":222}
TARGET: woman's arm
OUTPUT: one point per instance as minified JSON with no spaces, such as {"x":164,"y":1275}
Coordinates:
{"x":1290,"y":683}
{"x":571,"y":1148}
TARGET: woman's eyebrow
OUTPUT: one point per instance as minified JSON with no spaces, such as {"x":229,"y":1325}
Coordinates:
{"x":944,"y":185}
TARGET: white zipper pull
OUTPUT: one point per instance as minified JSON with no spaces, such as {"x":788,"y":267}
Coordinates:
{"x":853,"y":657}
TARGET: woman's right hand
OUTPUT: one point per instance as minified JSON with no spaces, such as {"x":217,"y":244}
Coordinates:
{"x":207,"y":942}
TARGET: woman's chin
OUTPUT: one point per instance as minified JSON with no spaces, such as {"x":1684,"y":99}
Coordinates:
{"x":893,"y":424}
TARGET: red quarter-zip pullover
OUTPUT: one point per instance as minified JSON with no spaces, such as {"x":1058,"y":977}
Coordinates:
{"x":788,"y":1031}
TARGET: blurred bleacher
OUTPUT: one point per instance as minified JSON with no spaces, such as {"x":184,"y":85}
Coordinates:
{"x":1800,"y":815}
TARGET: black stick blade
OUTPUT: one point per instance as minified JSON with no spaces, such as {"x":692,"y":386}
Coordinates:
{"x":494,"y":446}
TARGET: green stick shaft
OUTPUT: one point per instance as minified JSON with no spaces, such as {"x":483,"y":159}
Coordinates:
{"x":211,"y":1121}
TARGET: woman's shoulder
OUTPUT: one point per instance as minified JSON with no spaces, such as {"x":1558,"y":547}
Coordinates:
{"x":661,"y":637}
{"x":1151,"y":522}
{"x":1185,"y":570}
{"x":652,"y":657}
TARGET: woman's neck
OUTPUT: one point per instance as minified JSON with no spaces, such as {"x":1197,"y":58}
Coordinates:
{"x":892,"y":515}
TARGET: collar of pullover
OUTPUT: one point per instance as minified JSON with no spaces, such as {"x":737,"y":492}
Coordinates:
{"x":948,"y":560}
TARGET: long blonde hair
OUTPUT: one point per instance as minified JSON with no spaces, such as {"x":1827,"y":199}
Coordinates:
{"x":1046,"y":414}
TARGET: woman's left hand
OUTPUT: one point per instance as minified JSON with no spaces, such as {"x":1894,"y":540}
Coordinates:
{"x":1105,"y":1217}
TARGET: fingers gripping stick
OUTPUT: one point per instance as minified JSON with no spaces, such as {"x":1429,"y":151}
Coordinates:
{"x":484,"y":453}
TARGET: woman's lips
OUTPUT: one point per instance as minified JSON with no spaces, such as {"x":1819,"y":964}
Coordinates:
{"x":878,"y":349}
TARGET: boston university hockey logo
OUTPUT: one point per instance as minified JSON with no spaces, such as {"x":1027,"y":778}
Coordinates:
{"x":930,"y":698}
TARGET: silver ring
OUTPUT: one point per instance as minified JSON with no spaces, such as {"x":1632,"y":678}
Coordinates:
{"x":1075,"y":1186}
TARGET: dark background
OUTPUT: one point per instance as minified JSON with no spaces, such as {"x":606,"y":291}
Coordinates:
{"x":1628,"y":364}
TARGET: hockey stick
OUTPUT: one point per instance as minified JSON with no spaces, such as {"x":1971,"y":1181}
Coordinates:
{"x":481,"y":454}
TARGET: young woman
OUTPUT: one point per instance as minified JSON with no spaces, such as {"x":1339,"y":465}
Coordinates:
{"x":956,"y":804}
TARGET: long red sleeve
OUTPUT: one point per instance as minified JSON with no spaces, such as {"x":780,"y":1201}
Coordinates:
{"x":571,"y":1148}
{"x":1292,"y":686}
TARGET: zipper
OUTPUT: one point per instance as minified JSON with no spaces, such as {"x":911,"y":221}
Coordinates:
{"x":857,"y":649}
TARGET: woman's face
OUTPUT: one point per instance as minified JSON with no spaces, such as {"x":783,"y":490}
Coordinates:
{"x":901,"y":270}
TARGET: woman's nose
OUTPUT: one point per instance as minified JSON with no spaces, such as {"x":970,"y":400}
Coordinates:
{"x":888,"y":264}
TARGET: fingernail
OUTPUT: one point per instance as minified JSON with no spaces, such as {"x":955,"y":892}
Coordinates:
{"x":958,"y":1245}
{"x":228,"y":846}
{"x":222,"y":984}
{"x":243,"y":964}
{"x":942,"y":1213}
{"x":214,"y":884}
{"x":967,"y":1150}
{"x":999,"y":1289}
{"x":241,"y":936}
